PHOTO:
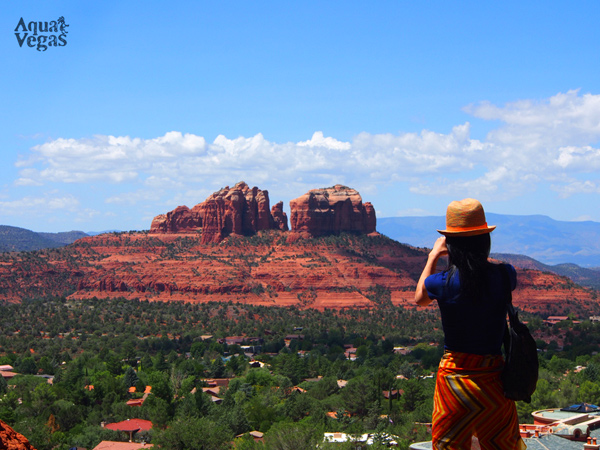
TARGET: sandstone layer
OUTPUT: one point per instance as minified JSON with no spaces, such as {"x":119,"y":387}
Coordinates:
{"x":269,"y":268}
{"x":332,"y":210}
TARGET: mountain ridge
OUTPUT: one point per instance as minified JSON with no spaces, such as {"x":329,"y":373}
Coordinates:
{"x":15,"y":239}
{"x":540,"y":237}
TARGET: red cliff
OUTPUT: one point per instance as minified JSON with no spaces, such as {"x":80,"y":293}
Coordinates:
{"x":332,"y":211}
{"x":240,"y":210}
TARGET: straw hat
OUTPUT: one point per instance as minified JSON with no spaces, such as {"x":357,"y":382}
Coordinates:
{"x":466,"y":218}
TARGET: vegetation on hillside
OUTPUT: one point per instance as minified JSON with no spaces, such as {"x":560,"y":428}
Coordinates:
{"x":113,"y":345}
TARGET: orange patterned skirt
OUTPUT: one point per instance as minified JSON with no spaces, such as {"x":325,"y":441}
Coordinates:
{"x":469,"y":401}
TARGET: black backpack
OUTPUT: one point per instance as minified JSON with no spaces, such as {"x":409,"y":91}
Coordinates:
{"x":520,"y":373}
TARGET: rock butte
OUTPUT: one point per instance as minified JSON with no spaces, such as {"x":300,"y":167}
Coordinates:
{"x":236,"y":211}
{"x":332,"y":211}
{"x":242,"y":210}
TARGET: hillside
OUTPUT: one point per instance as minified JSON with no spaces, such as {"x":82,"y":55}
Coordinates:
{"x":15,"y":239}
{"x":270,"y":268}
{"x":580,"y":275}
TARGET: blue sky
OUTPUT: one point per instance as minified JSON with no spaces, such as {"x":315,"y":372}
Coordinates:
{"x":152,"y":105}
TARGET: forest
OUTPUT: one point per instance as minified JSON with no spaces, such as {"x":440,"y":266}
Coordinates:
{"x":322,"y":371}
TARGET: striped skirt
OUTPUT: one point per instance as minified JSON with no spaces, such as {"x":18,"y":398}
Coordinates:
{"x":469,"y":401}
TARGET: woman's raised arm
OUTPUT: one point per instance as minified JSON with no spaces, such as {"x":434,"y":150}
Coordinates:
{"x":439,"y":249}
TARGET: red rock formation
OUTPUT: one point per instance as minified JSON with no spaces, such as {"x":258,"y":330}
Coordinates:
{"x":317,"y":273}
{"x":240,"y":210}
{"x":181,"y":218}
{"x":11,"y":440}
{"x":279,"y":217}
{"x":332,"y":211}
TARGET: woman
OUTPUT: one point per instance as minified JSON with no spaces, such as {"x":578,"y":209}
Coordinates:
{"x":469,"y":399}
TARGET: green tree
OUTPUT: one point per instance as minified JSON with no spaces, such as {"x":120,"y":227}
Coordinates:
{"x":156,"y":410}
{"x":3,"y":386}
{"x":67,"y":414}
{"x":131,"y":378}
{"x":194,"y":434}
{"x":292,"y":436}
{"x":589,"y":392}
{"x":413,"y":394}
{"x":358,"y":396}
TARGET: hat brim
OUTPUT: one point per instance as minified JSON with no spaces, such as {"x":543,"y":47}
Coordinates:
{"x":475,"y":232}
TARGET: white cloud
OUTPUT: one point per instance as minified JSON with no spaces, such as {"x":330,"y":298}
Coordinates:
{"x":564,"y":119}
{"x":41,"y":205}
{"x":577,"y":187}
{"x":551,"y":140}
{"x":318,"y":140}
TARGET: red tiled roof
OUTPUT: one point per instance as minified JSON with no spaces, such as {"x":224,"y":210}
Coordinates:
{"x":8,"y":374}
{"x":130,"y":425}
{"x":112,"y":445}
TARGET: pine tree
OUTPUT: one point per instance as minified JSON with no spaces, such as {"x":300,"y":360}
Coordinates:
{"x":131,"y":378}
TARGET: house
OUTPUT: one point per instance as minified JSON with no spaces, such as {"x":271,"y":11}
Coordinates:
{"x":7,"y":375}
{"x":217,"y":382}
{"x":256,"y":435}
{"x":214,"y":391}
{"x":135,"y":402}
{"x":140,"y":401}
{"x":394,"y":393}
{"x":360,"y":441}
{"x":292,"y":337}
{"x":553,"y":320}
{"x":112,"y":445}
{"x":130,"y":426}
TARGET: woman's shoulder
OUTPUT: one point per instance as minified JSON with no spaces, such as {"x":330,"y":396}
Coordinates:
{"x":435,"y":284}
{"x":510,"y":270}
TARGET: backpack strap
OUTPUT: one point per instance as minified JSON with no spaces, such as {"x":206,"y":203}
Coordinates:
{"x":512,"y":313}
{"x":509,"y":306}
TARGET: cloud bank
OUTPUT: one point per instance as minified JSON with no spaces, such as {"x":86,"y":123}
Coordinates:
{"x":554,"y":140}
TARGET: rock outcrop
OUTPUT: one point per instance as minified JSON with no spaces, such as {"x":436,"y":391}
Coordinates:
{"x":279,"y":217}
{"x":239,"y":210}
{"x":181,"y":218}
{"x":11,"y":440}
{"x":332,"y":210}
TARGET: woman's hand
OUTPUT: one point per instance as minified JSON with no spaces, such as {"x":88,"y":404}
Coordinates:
{"x":439,"y":249}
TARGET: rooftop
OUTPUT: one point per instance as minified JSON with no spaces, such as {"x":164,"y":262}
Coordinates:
{"x":130,"y":425}
{"x":112,"y":445}
{"x":545,"y":442}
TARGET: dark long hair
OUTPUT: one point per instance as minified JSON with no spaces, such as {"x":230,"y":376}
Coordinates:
{"x":468,"y":258}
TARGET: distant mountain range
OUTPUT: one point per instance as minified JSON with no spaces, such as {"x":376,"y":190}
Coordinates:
{"x":14,"y":239}
{"x":539,"y":237}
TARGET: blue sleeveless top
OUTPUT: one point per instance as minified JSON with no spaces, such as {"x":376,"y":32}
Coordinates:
{"x":471,"y":325}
